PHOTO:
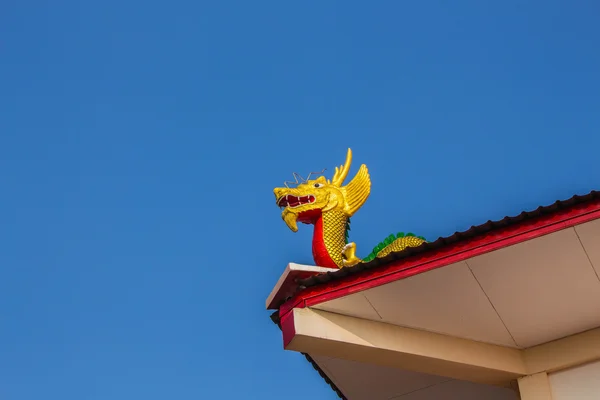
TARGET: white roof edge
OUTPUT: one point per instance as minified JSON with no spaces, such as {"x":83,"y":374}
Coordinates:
{"x":287,"y":279}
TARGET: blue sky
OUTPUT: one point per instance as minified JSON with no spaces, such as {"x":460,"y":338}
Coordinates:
{"x":140,"y":143}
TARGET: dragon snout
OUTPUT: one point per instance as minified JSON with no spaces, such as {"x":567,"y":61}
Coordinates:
{"x":279,"y":193}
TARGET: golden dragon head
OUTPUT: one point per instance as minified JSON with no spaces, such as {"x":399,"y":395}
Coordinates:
{"x":311,"y":198}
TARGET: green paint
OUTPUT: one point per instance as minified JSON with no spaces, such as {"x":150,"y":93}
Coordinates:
{"x":388,"y":240}
{"x":347,"y":233}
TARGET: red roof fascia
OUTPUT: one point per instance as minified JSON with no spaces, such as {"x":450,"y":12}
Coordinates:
{"x":429,"y":260}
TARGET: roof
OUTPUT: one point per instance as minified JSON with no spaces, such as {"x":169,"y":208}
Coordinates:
{"x":578,"y":206}
{"x":441,"y":242}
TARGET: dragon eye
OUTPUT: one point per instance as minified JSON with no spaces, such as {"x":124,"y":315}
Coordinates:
{"x":318,"y":185}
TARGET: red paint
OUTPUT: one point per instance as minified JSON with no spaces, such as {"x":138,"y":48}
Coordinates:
{"x":320,"y":253}
{"x":287,"y":328}
{"x":310,"y":217}
{"x":289,"y":306}
{"x":450,"y":254}
{"x":294,"y":201}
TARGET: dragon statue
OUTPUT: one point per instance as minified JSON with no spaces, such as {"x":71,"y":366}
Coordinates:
{"x":328,"y":206}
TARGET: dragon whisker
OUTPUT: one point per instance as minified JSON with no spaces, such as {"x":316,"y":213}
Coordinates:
{"x":298,"y":179}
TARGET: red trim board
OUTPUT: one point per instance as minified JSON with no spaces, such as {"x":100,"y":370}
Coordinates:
{"x":463,"y":250}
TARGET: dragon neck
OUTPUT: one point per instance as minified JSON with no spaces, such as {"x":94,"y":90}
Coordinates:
{"x":329,"y":239}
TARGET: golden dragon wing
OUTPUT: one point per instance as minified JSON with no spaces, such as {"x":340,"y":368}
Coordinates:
{"x":357,"y":191}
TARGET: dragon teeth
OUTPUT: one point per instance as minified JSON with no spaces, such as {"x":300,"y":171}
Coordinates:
{"x":295,"y":201}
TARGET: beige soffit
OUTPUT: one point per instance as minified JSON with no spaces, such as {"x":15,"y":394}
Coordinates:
{"x":589,"y":235}
{"x":543,"y":289}
{"x":446,"y":300}
{"x":333,"y":335}
{"x":360,"y":381}
{"x":535,"y":387}
{"x":578,"y":383}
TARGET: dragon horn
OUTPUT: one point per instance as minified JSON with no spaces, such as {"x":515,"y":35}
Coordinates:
{"x":340,"y":173}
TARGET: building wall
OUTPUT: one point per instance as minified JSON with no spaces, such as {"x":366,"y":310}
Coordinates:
{"x":577,"y":383}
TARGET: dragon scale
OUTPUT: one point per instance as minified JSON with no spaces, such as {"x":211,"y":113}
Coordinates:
{"x":329,"y":239}
{"x":328,"y":205}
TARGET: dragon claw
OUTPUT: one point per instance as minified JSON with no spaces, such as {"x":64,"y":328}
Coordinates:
{"x":349,"y":255}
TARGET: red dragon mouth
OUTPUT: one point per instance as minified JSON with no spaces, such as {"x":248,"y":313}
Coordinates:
{"x":294,"y":201}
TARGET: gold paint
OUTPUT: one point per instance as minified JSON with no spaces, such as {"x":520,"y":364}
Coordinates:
{"x":349,"y":255}
{"x":334,"y":223}
{"x":337,"y":203}
{"x":400,"y":244}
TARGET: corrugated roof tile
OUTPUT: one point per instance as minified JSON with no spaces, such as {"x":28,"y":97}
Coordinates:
{"x":449,"y":240}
